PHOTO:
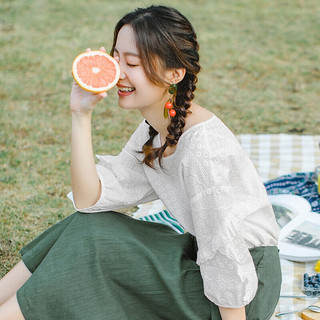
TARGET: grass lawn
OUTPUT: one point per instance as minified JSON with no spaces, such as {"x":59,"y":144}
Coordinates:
{"x":260,"y":74}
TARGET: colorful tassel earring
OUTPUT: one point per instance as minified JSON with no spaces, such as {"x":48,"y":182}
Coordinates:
{"x":168,"y":107}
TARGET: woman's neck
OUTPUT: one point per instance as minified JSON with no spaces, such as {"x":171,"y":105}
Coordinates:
{"x":154,"y":116}
{"x":156,"y":119}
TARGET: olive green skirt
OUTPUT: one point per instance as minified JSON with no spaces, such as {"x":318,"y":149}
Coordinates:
{"x":110,"y":266}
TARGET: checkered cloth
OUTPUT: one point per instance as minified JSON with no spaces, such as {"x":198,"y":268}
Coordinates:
{"x":273,"y":156}
{"x":276,"y":155}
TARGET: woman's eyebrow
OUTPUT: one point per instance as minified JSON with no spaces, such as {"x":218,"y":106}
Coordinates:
{"x":128,"y":53}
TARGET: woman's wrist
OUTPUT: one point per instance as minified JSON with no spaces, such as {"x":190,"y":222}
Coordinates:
{"x":232,"y":313}
{"x":81,"y":114}
{"x":81,"y":118}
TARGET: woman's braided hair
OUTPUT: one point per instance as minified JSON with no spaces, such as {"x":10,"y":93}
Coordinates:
{"x":165,"y":36}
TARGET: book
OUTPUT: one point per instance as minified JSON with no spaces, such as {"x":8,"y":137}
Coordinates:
{"x":299,"y":237}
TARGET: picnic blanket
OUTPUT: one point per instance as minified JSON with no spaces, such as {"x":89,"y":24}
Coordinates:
{"x":273,"y":155}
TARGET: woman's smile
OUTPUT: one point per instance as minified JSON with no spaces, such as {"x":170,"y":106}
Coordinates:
{"x":124,"y":90}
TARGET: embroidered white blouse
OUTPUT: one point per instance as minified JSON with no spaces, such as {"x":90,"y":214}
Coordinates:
{"x":211,"y":187}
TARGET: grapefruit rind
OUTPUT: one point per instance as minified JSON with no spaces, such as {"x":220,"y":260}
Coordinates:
{"x":88,"y":87}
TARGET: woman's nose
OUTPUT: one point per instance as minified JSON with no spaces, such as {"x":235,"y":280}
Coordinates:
{"x":122,"y":72}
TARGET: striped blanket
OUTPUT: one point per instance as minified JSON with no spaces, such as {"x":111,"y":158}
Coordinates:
{"x":165,"y":218}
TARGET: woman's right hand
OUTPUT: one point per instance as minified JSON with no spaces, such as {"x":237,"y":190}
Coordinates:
{"x":82,"y":101}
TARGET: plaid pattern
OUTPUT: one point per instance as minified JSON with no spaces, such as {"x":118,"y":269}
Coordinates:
{"x":277,"y":155}
{"x":273,"y":156}
{"x":291,"y":279}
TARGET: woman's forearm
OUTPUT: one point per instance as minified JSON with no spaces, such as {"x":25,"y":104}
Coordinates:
{"x":84,"y":178}
{"x":233,"y":313}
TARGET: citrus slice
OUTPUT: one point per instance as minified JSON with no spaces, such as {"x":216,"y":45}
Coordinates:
{"x":95,"y":71}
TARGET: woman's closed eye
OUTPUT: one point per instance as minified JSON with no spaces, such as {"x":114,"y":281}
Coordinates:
{"x":132,"y":65}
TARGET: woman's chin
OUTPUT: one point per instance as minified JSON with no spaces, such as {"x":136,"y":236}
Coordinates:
{"x":126,"y":106}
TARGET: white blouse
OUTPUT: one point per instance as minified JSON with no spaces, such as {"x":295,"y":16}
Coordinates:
{"x":211,"y":187}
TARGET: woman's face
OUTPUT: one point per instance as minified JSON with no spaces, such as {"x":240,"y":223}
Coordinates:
{"x":136,"y":91}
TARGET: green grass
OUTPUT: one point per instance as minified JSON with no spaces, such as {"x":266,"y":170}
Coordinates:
{"x":260,"y":74}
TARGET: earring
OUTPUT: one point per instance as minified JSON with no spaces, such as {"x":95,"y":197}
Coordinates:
{"x":168,"y":107}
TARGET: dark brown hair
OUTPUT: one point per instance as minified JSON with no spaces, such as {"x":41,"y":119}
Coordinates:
{"x":164,"y":35}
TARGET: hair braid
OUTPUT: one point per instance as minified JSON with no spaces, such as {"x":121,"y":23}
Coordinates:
{"x":147,"y":148}
{"x":177,"y":123}
{"x":181,"y":106}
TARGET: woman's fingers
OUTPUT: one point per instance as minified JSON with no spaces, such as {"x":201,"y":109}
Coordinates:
{"x":102,"y":94}
{"x":95,"y":98}
{"x":101,"y":49}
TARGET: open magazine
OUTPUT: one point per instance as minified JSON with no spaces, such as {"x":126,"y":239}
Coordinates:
{"x":299,"y":238}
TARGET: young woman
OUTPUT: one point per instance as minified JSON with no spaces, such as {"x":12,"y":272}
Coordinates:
{"x":106,"y":265}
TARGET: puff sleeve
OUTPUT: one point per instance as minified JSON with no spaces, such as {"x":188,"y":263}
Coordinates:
{"x":123,"y":179}
{"x":223,"y":188}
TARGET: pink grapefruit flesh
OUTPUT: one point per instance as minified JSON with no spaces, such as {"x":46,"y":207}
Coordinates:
{"x":95,"y":71}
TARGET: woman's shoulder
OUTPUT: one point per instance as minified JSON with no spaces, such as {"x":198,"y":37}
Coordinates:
{"x":197,"y":116}
{"x":210,"y":139}
{"x":205,"y":127}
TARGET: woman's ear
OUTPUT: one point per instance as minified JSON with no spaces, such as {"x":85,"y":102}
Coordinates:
{"x":174,"y":76}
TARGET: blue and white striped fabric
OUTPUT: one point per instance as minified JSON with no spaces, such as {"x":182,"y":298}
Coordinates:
{"x":165,"y":218}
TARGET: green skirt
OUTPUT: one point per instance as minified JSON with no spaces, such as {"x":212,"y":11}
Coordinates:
{"x":110,"y":266}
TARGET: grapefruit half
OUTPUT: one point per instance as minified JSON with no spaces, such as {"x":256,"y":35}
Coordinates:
{"x":95,"y":71}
